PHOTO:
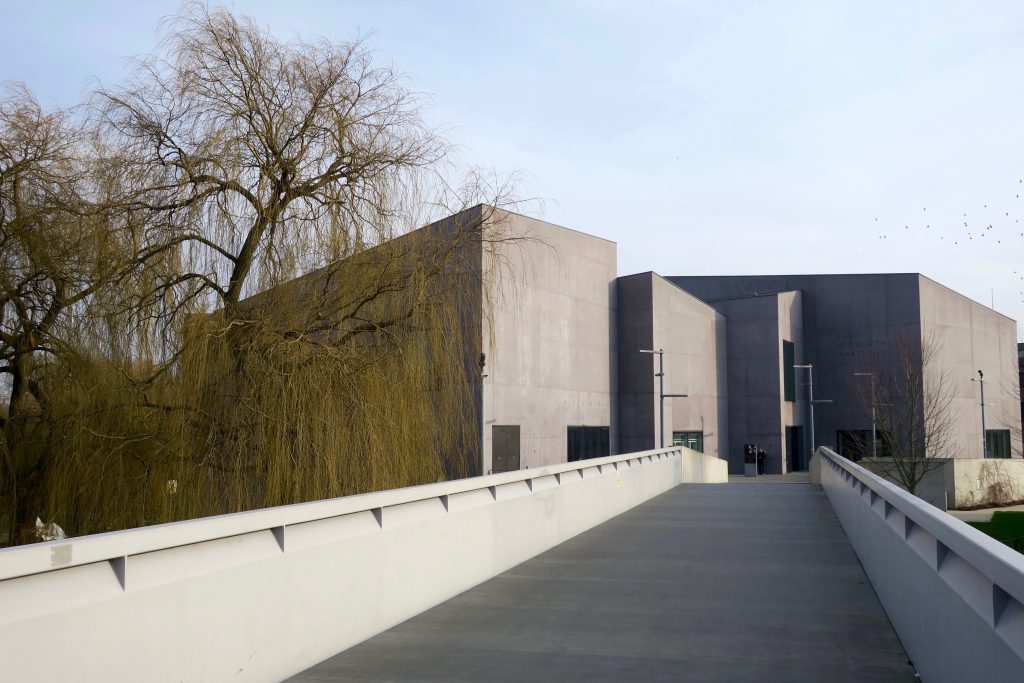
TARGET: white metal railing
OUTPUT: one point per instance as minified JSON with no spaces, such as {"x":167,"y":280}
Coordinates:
{"x":267,"y":593}
{"x":954,"y":595}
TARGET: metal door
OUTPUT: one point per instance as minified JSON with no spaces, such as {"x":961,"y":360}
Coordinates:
{"x":504,"y":448}
{"x":794,"y":446}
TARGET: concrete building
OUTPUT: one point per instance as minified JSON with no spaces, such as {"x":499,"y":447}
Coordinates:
{"x":848,"y":326}
{"x":555,"y":346}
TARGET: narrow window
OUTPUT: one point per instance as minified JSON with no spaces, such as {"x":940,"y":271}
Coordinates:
{"x":788,"y":373}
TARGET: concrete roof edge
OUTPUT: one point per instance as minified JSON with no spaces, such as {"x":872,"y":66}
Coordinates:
{"x":964,"y":296}
{"x":549,"y":223}
{"x":672,"y":284}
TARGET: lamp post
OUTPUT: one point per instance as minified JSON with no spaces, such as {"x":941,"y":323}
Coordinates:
{"x":661,"y":390}
{"x":483,"y":376}
{"x":810,"y":398}
{"x":984,"y":440}
{"x":874,"y":434}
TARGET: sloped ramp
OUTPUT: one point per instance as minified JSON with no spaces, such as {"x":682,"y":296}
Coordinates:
{"x":725,"y":582}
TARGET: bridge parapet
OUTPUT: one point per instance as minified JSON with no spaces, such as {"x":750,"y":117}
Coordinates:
{"x":954,"y":595}
{"x":261,"y":595}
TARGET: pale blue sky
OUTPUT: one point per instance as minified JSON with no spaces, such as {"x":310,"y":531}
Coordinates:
{"x":704,"y":138}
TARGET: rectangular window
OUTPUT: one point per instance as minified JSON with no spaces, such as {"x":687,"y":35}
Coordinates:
{"x":854,"y":443}
{"x":788,"y":373}
{"x":585,"y":443}
{"x":997,"y":442}
{"x":692,"y":440}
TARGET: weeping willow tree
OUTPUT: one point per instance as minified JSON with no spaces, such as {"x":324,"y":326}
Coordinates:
{"x":64,"y":246}
{"x":272,"y":331}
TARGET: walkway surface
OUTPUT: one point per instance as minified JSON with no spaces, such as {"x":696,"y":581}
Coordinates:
{"x":726,"y":582}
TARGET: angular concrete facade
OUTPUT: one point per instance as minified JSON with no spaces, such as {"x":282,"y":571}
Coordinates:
{"x":759,"y":413}
{"x":851,"y":323}
{"x":548,"y":336}
{"x":655,"y":314}
{"x":563,"y":378}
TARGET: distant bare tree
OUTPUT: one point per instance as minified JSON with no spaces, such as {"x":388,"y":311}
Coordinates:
{"x":914,"y":411}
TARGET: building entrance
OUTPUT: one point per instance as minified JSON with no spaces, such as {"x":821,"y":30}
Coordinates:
{"x":794,"y":450}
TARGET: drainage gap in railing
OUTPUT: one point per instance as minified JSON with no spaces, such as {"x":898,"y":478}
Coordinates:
{"x":319,"y":532}
{"x":444,"y":502}
{"x":896,"y":520}
{"x":278,"y":532}
{"x":119,"y":565}
{"x":412,"y":512}
{"x":973,"y":586}
{"x":543,"y":483}
{"x":457,"y":502}
{"x":1008,"y":616}
{"x":921,"y":541}
{"x":513,"y":489}
{"x":378,"y":514}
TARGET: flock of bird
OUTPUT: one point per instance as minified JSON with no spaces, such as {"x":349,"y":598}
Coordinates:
{"x":994,"y":231}
{"x":970,"y":236}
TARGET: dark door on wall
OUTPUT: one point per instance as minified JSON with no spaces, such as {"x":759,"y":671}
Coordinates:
{"x":794,"y":449}
{"x":504,"y":448}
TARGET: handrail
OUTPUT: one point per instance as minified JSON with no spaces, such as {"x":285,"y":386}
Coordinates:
{"x":116,"y":546}
{"x":1001,"y":564}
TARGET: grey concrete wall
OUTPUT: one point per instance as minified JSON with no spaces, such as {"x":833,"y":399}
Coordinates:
{"x":548,"y":332}
{"x":637,"y":385}
{"x":754,"y":360}
{"x":850,"y":323}
{"x":793,"y":413}
{"x":953,"y":483}
{"x":653,"y":313}
{"x":971,"y":337}
{"x":954,"y":596}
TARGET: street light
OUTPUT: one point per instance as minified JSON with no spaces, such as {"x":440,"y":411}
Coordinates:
{"x":874,"y":435}
{"x":810,"y":398}
{"x":661,"y":389}
{"x":483,"y":376}
{"x":984,"y":440}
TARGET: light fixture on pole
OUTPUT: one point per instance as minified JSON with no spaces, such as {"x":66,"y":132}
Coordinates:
{"x":874,"y":431}
{"x":483,"y":376}
{"x":810,"y":398}
{"x":661,"y":390}
{"x":984,"y":436}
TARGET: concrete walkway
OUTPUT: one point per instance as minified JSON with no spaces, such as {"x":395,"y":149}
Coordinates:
{"x":725,"y":582}
{"x":790,"y":478}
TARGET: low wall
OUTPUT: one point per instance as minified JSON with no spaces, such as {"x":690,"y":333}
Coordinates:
{"x":964,"y":482}
{"x":261,"y":595}
{"x":954,"y":595}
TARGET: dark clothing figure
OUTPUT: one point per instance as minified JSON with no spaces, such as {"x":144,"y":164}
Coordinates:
{"x":761,"y":457}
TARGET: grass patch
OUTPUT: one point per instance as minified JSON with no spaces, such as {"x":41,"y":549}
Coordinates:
{"x":1005,"y":526}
